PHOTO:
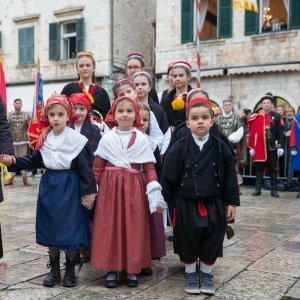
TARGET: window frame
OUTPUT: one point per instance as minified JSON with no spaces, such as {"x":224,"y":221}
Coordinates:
{"x":259,"y":23}
{"x":64,"y":37}
{"x":57,"y":37}
{"x":193,"y":25}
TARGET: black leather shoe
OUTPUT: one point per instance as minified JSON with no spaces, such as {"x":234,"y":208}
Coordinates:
{"x":256,"y":193}
{"x":146,"y":272}
{"x":274,"y":194}
{"x":132,"y":283}
{"x":111,"y":283}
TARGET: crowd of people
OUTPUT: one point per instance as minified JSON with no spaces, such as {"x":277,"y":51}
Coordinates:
{"x":111,"y":170}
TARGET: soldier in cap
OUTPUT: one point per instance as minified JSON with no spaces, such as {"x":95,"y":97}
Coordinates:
{"x":265,"y":143}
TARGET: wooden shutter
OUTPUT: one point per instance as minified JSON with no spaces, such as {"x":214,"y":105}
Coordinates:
{"x":225,"y":18}
{"x":30,"y":45}
{"x":252,"y":21}
{"x":79,"y":35}
{"x":187,"y":21}
{"x":26,"y":45}
{"x":294,"y":14}
{"x":54,"y":41}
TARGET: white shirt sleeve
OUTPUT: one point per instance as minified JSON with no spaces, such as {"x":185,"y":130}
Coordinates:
{"x":236,"y":136}
{"x":166,"y":141}
{"x":154,"y":131}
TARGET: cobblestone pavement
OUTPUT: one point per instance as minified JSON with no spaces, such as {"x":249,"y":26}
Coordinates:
{"x":262,"y":261}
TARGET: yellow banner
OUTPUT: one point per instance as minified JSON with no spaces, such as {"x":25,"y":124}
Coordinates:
{"x":246,"y":4}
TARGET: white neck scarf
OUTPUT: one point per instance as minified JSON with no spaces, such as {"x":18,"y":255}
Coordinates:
{"x":111,"y":149}
{"x":228,"y":115}
{"x":59,"y":151}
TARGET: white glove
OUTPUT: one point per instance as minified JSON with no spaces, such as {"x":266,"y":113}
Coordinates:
{"x":280,"y":152}
{"x":251,"y":152}
{"x":155,"y":198}
{"x":294,"y":152}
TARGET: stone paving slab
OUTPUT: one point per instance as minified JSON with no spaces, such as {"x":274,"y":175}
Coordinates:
{"x":255,"y":285}
{"x":294,"y":291}
{"x":96,"y":290}
{"x":260,"y":262}
{"x":26,"y":291}
{"x":21,"y":272}
{"x":279,"y":262}
{"x":170,"y":288}
{"x":15,"y":257}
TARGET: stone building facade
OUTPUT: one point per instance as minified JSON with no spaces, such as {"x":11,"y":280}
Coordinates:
{"x":242,"y":66}
{"x":54,"y":31}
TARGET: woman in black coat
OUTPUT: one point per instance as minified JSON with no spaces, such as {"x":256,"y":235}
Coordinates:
{"x":6,"y":151}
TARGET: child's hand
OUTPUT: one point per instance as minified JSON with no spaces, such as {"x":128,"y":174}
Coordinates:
{"x":230,"y":213}
{"x":159,"y":209}
{"x":88,"y":201}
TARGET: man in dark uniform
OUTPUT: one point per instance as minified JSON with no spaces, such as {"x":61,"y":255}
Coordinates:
{"x":265,"y":143}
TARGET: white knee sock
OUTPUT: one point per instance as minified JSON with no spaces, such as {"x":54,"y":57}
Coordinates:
{"x":190,"y":268}
{"x":205,"y":268}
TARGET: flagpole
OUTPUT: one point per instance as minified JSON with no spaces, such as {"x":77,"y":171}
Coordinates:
{"x":198,"y":31}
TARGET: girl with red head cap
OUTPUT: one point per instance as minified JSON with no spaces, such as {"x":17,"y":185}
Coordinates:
{"x":83,"y":124}
{"x":121,"y":235}
{"x":67,"y":189}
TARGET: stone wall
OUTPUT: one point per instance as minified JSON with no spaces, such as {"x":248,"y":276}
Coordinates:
{"x":134,"y":30}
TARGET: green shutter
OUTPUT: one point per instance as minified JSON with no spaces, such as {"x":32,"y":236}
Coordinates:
{"x":187,"y":21}
{"x":294,"y":14}
{"x":54,"y":41}
{"x":26,"y":45}
{"x":0,"y":40}
{"x":225,"y":19}
{"x":29,"y":53}
{"x":252,"y":21}
{"x":79,"y":35}
{"x":22,"y":38}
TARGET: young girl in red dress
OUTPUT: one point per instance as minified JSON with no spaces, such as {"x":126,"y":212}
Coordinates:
{"x":121,"y":234}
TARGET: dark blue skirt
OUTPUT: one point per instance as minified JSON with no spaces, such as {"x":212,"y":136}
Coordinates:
{"x":61,"y":220}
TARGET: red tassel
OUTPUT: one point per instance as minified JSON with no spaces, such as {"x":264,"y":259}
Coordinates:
{"x":202,"y":209}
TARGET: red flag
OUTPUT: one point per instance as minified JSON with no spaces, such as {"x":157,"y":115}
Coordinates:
{"x":38,"y":103}
{"x":2,"y":83}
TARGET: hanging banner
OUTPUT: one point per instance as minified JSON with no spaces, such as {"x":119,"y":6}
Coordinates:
{"x":246,"y":4}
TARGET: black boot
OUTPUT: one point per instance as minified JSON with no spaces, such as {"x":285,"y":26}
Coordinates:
{"x":273,"y":179}
{"x":69,"y":279}
{"x":258,"y":184}
{"x":54,"y":276}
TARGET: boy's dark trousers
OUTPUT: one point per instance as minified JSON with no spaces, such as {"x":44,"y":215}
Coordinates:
{"x":260,"y":166}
